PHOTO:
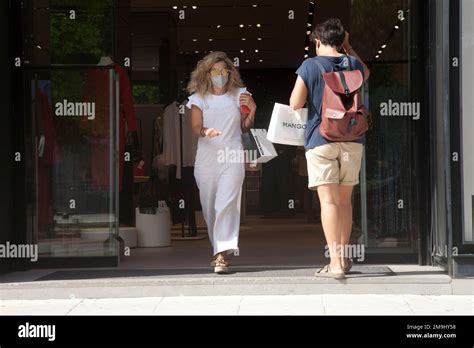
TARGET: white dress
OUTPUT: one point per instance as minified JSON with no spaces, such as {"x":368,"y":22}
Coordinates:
{"x":220,"y":180}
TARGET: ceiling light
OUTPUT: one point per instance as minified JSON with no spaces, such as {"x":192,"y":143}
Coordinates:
{"x":377,"y":56}
{"x":259,"y":25}
{"x":261,"y":60}
{"x":397,"y":27}
{"x":308,"y":24}
{"x":241,"y":51}
{"x":218,"y":26}
{"x":254,"y":5}
{"x":185,"y":6}
{"x":306,"y":48}
{"x":259,"y":39}
{"x":196,"y":51}
{"x":175,"y":7}
{"x":195,"y":40}
{"x":241,"y":25}
{"x":195,"y":7}
{"x":243,"y":39}
{"x":247,"y":61}
{"x":256,"y":51}
{"x":306,"y":56}
{"x":380,"y":52}
{"x":308,"y":32}
{"x":383,"y":46}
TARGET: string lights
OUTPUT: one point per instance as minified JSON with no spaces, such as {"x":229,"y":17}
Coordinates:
{"x":309,"y":25}
{"x":395,"y":29}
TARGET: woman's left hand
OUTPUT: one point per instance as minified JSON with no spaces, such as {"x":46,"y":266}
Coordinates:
{"x":247,"y":100}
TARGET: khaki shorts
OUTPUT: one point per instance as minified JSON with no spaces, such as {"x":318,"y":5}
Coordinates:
{"x":334,"y":163}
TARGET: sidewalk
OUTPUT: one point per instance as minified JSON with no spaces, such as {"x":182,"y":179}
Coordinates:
{"x":248,"y":305}
{"x":245,"y":281}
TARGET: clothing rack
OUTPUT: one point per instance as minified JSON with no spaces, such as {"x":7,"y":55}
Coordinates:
{"x":189,"y":206}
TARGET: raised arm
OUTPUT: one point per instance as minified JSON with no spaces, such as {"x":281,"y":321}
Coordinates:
{"x":346,"y":46}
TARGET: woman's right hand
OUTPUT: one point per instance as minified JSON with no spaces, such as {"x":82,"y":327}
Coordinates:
{"x":212,"y":132}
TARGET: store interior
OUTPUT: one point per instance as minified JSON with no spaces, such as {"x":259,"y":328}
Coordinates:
{"x":86,"y":188}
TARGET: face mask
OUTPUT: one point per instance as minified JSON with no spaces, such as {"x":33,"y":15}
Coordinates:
{"x":219,"y":81}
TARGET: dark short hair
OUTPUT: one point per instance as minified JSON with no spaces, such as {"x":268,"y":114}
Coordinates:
{"x":331,"y":32}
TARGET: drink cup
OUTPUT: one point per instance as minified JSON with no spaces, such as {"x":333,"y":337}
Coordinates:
{"x":244,"y":108}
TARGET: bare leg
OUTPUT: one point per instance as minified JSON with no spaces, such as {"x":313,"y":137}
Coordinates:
{"x":331,"y":221}
{"x":345,"y":196}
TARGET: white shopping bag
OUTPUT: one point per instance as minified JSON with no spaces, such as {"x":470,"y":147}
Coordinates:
{"x":287,"y":126}
{"x":258,"y":149}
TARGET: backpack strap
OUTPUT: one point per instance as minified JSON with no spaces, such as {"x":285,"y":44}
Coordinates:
{"x":321,"y":67}
{"x":350,"y":63}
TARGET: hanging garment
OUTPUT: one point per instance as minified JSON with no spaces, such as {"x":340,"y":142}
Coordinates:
{"x":157,"y":137}
{"x":172,"y":141}
{"x":220,"y":179}
{"x":97,"y":130}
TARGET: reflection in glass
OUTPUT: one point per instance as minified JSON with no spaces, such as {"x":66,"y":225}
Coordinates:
{"x":391,"y":143}
{"x":74,"y":122}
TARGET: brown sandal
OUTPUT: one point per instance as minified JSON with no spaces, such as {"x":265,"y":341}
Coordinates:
{"x":213,"y":262}
{"x":221,"y":266}
{"x":348,"y":265}
{"x":326,"y":272}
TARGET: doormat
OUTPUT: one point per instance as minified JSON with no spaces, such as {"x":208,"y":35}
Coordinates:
{"x":358,"y":271}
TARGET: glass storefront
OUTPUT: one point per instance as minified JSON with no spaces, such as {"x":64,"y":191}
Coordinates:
{"x":74,"y":176}
{"x":74,"y":166}
{"x":388,"y":37}
{"x":71,"y":132}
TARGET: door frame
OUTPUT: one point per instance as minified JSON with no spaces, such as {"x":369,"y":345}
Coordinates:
{"x":461,"y":262}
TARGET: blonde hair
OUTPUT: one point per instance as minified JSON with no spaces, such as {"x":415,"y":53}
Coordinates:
{"x":201,"y":82}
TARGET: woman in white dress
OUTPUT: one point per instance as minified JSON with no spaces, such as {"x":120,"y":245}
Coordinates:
{"x":217,"y":95}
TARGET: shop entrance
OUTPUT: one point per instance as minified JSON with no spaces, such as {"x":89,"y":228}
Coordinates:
{"x":159,"y":43}
{"x":268,"y":40}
